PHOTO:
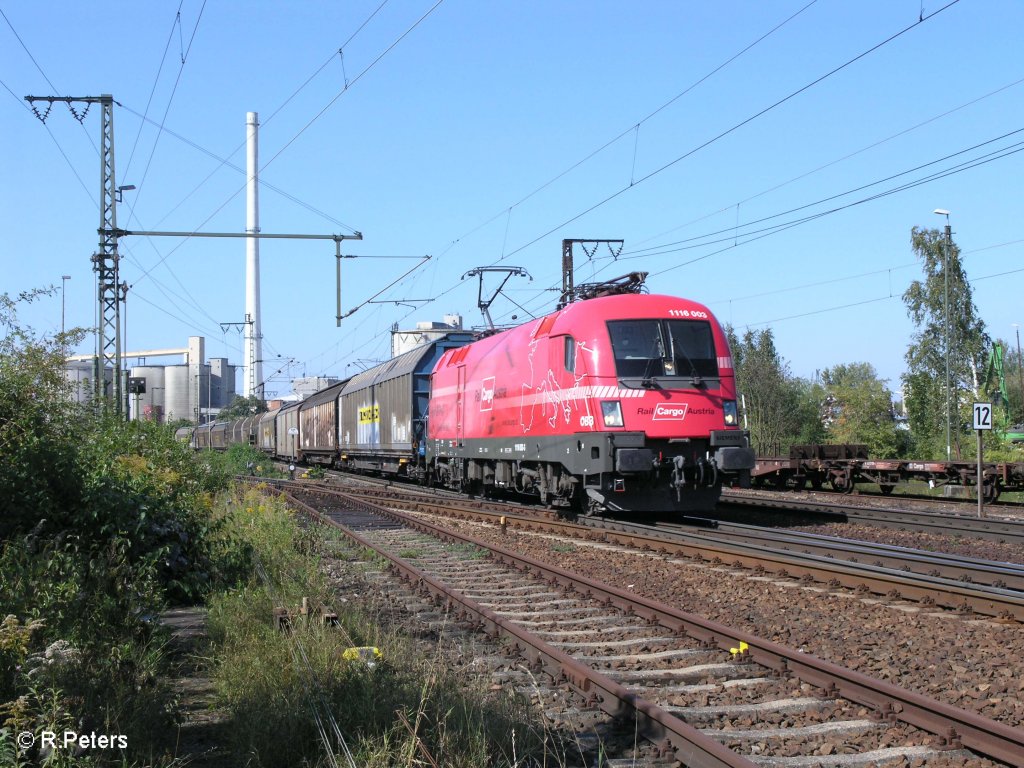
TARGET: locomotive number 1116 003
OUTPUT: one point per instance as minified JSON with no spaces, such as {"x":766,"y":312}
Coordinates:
{"x":693,"y":313}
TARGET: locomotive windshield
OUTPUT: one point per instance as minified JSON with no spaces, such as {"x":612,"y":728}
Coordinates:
{"x":676,"y":349}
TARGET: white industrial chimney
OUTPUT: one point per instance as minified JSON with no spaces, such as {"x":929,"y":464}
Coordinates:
{"x":253,"y":334}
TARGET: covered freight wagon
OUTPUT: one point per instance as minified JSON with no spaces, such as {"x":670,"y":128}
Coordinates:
{"x":244,"y":431}
{"x":286,"y":432}
{"x":318,"y":426}
{"x":383,"y":411}
{"x":266,"y":432}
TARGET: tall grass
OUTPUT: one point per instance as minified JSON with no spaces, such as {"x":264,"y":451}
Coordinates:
{"x":412,"y":708}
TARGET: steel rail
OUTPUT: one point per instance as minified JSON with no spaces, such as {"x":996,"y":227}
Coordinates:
{"x":892,"y":582}
{"x":957,"y":727}
{"x":990,"y":528}
{"x":967,"y":569}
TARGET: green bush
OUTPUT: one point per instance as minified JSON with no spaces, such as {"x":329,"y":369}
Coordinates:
{"x":104,"y":524}
{"x":273,"y":682}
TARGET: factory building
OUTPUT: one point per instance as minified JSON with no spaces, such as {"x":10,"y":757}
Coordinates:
{"x":195,"y":389}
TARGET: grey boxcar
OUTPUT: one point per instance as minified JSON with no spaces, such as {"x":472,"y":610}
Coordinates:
{"x":202,"y":435}
{"x":219,"y":435}
{"x":382,"y":411}
{"x":244,"y":431}
{"x":186,"y":435}
{"x":266,"y":432}
{"x":287,"y":432}
{"x":318,"y":426}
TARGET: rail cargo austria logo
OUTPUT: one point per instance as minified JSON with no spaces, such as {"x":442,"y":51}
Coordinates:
{"x":670,"y":411}
{"x":487,"y":394}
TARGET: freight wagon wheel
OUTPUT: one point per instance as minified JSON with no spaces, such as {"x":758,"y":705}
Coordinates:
{"x":886,"y":488}
{"x":841,"y":482}
{"x":990,"y":491}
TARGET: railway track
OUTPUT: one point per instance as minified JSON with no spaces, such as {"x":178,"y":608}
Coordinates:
{"x":931,"y":579}
{"x":707,"y":694}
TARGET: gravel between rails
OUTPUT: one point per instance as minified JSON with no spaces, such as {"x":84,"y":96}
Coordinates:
{"x":970,"y":663}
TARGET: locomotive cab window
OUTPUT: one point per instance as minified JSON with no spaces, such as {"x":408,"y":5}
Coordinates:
{"x":570,"y":354}
{"x":648,"y":350}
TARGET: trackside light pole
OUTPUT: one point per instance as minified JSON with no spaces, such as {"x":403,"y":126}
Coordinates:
{"x":945,"y":303}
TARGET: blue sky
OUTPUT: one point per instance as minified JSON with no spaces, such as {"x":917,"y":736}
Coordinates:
{"x":469,"y":131}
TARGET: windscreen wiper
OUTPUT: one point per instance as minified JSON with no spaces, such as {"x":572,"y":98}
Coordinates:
{"x":695,"y":378}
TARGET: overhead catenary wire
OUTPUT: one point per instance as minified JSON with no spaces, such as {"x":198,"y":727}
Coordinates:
{"x":541,"y":292}
{"x":631,"y":129}
{"x":748,"y":237}
{"x":734,"y":231}
{"x":152,"y":90}
{"x":170,"y":101}
{"x":95,"y":202}
{"x":60,"y":149}
{"x":308,"y":124}
{"x":839,"y":307}
{"x":848,"y":156}
{"x":733,"y":128}
{"x":225,"y":161}
{"x":127,"y":252}
{"x":701,"y":146}
{"x":512,"y":236}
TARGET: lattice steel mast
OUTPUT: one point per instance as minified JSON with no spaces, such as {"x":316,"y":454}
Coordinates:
{"x":106,"y":260}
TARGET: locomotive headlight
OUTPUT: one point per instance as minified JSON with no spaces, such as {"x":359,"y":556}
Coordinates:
{"x":611,"y":410}
{"x":729,"y":410}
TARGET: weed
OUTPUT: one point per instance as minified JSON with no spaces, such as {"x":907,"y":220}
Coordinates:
{"x":471,"y":551}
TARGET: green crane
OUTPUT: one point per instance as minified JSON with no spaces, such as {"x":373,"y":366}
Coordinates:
{"x":994,"y":387}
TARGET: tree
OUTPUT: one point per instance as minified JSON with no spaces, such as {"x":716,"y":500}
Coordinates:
{"x":779,"y":407}
{"x":241,"y":407}
{"x":857,"y":408}
{"x":924,"y":382}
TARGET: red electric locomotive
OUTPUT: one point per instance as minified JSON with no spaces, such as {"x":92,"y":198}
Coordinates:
{"x":619,"y":403}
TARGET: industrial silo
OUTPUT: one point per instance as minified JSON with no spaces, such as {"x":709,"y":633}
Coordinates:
{"x":79,"y":374}
{"x":149,"y":405}
{"x":223,"y":391}
{"x":177,"y":403}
